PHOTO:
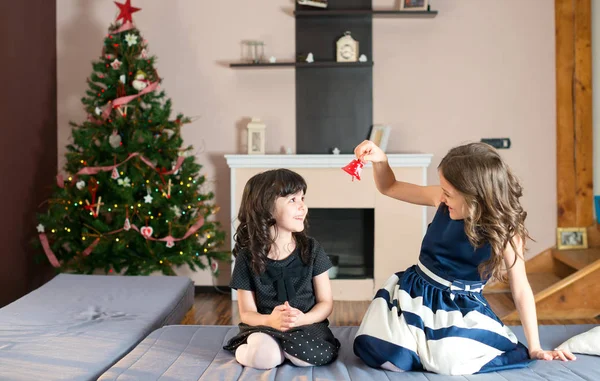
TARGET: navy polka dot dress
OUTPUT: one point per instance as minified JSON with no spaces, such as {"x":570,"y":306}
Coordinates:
{"x":287,"y":280}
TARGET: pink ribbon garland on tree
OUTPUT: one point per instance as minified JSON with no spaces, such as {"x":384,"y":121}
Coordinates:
{"x":88,"y":250}
{"x":49,"y":253}
{"x":95,"y":170}
{"x":170,"y":238}
{"x":124,"y":100}
{"x":125,"y":27}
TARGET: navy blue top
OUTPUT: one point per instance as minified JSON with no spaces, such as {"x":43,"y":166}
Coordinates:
{"x":446,"y":249}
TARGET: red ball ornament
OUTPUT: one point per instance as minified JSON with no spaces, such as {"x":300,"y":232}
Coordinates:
{"x":354,"y":168}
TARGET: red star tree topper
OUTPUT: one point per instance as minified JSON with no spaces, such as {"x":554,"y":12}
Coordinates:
{"x":125,"y":11}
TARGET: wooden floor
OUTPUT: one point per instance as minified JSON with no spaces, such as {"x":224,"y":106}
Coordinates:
{"x":219,"y":309}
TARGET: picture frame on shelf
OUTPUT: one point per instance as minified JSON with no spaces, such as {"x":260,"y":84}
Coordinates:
{"x":571,"y":238}
{"x":380,"y":134}
{"x":414,"y":5}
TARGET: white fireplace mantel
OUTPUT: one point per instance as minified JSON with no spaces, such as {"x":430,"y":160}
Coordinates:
{"x":399,"y":227}
{"x":319,"y":161}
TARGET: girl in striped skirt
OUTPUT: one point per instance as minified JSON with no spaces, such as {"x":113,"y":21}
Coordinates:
{"x":433,"y":316}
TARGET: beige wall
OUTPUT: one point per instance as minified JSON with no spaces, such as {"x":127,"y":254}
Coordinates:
{"x":479,"y":69}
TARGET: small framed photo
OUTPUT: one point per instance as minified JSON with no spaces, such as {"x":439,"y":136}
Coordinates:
{"x":571,"y":238}
{"x":380,"y":135}
{"x":413,"y":5}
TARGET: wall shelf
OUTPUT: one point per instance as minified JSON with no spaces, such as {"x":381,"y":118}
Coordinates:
{"x":262,"y":65}
{"x":303,"y":65}
{"x":365,"y":12}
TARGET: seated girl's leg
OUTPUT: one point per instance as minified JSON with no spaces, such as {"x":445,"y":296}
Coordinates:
{"x":261,"y":351}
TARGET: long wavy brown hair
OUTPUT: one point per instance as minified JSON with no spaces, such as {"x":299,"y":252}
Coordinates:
{"x":492,"y":193}
{"x":256,"y":216}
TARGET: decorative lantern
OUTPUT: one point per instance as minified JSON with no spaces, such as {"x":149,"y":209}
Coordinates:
{"x":253,"y":51}
{"x":256,"y":137}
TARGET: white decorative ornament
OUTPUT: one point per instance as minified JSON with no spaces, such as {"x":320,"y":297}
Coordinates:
{"x":272,"y":59}
{"x":98,"y":110}
{"x":116,"y":64}
{"x":310,"y":58}
{"x":127,"y":224}
{"x":124,"y":182}
{"x":122,"y":78}
{"x":362,"y":58}
{"x":336,"y":151}
{"x":80,"y":184}
{"x":169,"y":133}
{"x":148,"y":199}
{"x":140,"y":82}
{"x":40,"y":228}
{"x":176,"y":210}
{"x":131,"y":39}
{"x":144,"y":53}
{"x":115,"y":174}
{"x":114,"y":140}
{"x":170,"y":242}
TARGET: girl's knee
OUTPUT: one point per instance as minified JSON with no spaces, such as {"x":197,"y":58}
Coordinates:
{"x":261,"y":352}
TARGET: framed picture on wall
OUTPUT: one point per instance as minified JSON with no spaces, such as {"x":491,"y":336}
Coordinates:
{"x":379,"y":135}
{"x":413,"y":5}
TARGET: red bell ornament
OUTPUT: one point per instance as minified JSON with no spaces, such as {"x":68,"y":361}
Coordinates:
{"x":354,"y":168}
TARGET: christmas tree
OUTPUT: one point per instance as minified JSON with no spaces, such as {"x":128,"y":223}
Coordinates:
{"x":133,"y":202}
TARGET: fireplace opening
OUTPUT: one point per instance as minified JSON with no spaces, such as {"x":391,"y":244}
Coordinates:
{"x":347,"y":235}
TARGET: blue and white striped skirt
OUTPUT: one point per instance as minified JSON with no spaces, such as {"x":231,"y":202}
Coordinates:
{"x":420,"y":321}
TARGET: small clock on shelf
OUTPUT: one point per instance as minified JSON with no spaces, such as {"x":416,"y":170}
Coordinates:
{"x":347,"y":49}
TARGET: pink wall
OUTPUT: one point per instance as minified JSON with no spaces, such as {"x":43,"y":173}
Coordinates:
{"x":479,"y":69}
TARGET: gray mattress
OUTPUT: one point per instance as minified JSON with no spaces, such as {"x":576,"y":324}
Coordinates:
{"x":75,"y":327}
{"x":186,"y":353}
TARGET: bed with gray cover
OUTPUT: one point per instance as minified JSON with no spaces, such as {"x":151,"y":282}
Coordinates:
{"x":191,"y":353}
{"x":75,"y":327}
